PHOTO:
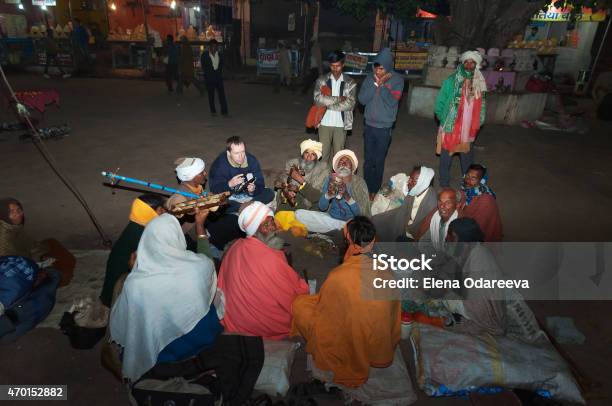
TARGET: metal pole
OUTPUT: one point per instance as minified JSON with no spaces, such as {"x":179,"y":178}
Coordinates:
{"x":603,"y":41}
{"x":114,"y":176}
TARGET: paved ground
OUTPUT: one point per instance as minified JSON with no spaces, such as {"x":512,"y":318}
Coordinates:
{"x":551,"y":186}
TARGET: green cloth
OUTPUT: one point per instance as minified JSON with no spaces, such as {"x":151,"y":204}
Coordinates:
{"x":449,"y":98}
{"x":204,"y":247}
{"x":15,"y":241}
{"x":119,"y":258}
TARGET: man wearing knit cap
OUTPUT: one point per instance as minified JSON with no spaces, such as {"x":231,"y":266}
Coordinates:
{"x":344,"y":196}
{"x":309,"y":185}
{"x":256,"y":280}
{"x":460,"y":107}
{"x":221,"y":226}
{"x":380,"y":93}
{"x":402,"y":223}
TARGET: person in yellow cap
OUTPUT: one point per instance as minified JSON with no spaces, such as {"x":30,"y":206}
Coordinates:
{"x":144,"y":209}
{"x":309,"y":184}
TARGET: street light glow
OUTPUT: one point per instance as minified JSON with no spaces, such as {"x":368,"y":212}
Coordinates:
{"x":20,"y":6}
{"x":113,"y":6}
{"x":43,"y":7}
{"x":173,"y":5}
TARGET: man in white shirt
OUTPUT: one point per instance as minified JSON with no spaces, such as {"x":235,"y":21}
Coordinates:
{"x":212,"y":65}
{"x":337,"y":93}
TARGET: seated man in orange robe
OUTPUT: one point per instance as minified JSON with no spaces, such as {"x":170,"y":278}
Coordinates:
{"x":258,"y":284}
{"x":345,"y":332}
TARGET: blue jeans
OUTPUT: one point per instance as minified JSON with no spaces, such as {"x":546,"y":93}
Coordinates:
{"x":376,"y":143}
{"x":446,"y":161}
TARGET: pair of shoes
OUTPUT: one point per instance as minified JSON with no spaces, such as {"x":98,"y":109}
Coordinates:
{"x":47,"y":76}
{"x":226,"y":115}
{"x":66,"y":75}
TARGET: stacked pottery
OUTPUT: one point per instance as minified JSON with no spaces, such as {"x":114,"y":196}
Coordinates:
{"x":452,"y":57}
{"x":524,"y":59}
{"x":508,"y":57}
{"x":492,"y":56}
{"x":436,"y":56}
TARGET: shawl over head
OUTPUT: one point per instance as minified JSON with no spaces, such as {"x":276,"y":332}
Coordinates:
{"x":425,"y":177}
{"x":141,"y":213}
{"x":4,"y":207}
{"x":167,"y":293}
{"x":13,"y":238}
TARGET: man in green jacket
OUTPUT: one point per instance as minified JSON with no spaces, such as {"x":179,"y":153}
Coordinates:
{"x":460,"y":107}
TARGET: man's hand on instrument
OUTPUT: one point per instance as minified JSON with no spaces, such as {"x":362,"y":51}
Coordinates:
{"x":201,"y":215}
{"x":251,"y":187}
{"x":236,"y":180}
{"x":294,"y":173}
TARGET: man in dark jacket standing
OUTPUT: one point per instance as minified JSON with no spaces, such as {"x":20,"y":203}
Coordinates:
{"x":380,"y":94}
{"x":212,"y":65}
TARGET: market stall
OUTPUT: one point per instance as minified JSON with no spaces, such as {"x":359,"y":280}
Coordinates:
{"x":16,"y":43}
{"x":132,"y":22}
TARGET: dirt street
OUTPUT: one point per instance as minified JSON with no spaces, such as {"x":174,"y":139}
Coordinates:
{"x":550,"y":186}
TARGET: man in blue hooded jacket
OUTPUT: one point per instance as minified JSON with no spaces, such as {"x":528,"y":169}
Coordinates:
{"x":380,"y":94}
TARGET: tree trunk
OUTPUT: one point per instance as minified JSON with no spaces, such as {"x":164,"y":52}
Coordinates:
{"x":485,"y":23}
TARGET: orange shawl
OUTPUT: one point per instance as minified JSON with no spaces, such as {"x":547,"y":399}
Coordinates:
{"x":344,"y":332}
{"x":259,"y":287}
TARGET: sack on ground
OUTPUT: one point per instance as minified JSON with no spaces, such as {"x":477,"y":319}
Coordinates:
{"x":448,"y":363}
{"x":389,"y":386}
{"x":85,"y":322}
{"x":273,"y":379}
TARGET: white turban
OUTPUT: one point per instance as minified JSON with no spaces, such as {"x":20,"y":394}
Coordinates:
{"x":345,"y":152}
{"x":252,"y":216}
{"x":312,"y":145}
{"x":189,"y":168}
{"x":473,"y":55}
{"x":424,"y":181}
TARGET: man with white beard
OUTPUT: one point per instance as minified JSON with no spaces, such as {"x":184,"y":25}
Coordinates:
{"x":402,"y":223}
{"x":344,"y":196}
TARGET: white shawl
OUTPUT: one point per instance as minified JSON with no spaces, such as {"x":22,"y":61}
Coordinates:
{"x":167,"y":293}
{"x":425,"y":177}
{"x":434,"y":229}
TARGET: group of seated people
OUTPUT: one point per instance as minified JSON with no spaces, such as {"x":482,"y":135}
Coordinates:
{"x":187,"y":282}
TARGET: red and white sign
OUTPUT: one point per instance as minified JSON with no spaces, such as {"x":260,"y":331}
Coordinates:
{"x":356,"y":61}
